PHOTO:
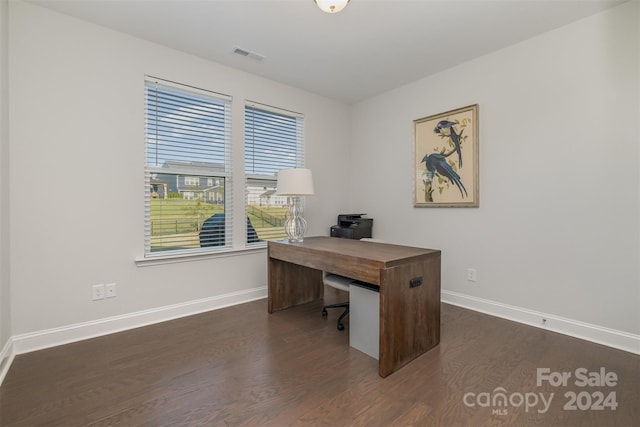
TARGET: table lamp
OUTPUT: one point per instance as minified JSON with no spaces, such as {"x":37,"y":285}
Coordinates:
{"x":294,"y":183}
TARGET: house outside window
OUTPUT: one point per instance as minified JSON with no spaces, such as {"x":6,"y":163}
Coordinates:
{"x":188,"y":148}
{"x":274,"y":140}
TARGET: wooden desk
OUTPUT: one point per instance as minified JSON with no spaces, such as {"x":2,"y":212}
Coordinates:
{"x":409,"y":313}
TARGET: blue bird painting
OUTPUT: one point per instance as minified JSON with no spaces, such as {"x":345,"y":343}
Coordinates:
{"x":445,"y":128}
{"x":437,"y":163}
{"x":441,"y":142}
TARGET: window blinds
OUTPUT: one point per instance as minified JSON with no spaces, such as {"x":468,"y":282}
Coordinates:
{"x":187,"y":168}
{"x":273,"y":140}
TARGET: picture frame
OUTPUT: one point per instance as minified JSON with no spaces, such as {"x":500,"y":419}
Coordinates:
{"x":446,"y":159}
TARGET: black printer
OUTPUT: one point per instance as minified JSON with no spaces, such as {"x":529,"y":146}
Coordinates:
{"x":352,"y":226}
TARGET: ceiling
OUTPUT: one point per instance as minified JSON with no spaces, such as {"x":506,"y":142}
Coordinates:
{"x":370,"y":47}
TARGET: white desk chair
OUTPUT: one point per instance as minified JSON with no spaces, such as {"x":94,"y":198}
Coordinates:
{"x":338,"y":282}
{"x":343,"y":283}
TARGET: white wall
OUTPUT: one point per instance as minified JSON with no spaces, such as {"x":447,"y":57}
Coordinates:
{"x":5,"y":308}
{"x":76,"y":140}
{"x":557,"y":230}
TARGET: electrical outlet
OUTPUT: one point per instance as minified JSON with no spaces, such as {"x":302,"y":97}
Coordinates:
{"x":97,"y":292}
{"x":472,"y":274}
{"x":110,"y":290}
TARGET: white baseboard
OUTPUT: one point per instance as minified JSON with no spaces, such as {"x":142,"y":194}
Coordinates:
{"x":6,"y":358}
{"x":81,"y":331}
{"x":598,"y":334}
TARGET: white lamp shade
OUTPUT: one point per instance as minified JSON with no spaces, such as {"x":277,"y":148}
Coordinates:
{"x":295,"y":182}
{"x":331,"y":6}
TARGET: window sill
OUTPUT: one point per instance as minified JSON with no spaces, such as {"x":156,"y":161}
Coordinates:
{"x":179,"y":258}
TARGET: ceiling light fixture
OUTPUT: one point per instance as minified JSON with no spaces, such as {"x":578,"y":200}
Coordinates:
{"x":331,"y":6}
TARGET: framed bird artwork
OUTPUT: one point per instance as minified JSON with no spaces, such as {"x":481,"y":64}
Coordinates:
{"x":446,"y":159}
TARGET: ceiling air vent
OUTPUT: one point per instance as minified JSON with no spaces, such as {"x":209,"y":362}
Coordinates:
{"x":248,"y":54}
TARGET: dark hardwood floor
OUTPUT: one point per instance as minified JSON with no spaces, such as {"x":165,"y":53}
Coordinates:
{"x":240,"y":366}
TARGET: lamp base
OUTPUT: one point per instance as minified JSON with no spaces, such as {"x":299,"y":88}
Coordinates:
{"x":295,"y":225}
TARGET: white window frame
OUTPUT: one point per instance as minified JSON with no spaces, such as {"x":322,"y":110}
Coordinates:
{"x":193,"y":169}
{"x":254,"y":179}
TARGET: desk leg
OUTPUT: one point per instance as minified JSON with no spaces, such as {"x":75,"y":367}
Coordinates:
{"x":409,"y":316}
{"x":292,"y":284}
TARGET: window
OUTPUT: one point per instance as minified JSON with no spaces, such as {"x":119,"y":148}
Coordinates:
{"x":273,"y":140}
{"x":187,"y":169}
{"x":192,"y":180}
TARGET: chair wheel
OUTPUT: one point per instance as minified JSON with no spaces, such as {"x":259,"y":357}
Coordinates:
{"x":324,"y":313}
{"x":340,"y":327}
